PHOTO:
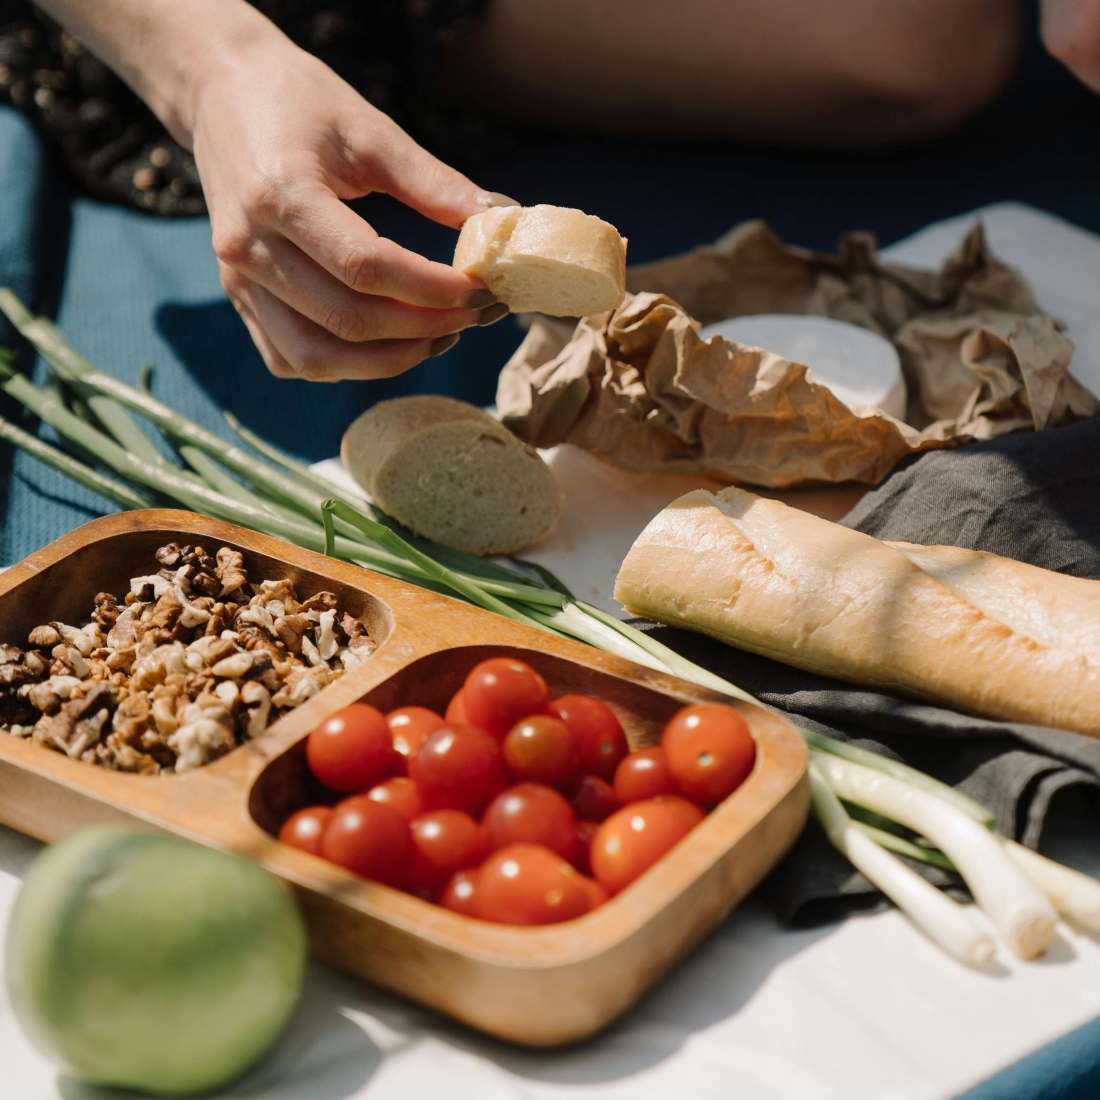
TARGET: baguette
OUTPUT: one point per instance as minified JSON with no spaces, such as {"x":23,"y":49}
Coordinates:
{"x":959,"y":627}
{"x":545,"y":259}
{"x":450,"y":472}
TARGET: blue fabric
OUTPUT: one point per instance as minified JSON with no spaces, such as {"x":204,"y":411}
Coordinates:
{"x":1067,"y":1069}
{"x":128,"y":289}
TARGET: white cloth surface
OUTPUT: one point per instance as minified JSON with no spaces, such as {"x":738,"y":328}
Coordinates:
{"x":866,"y":1010}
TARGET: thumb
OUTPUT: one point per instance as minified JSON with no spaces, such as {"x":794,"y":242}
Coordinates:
{"x":389,"y":160}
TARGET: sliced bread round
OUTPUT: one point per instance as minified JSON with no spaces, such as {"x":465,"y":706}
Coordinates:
{"x":545,"y":259}
{"x":450,"y":472}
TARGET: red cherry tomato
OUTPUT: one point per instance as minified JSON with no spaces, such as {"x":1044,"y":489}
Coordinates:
{"x":305,"y":828}
{"x":709,"y":750}
{"x":541,"y":749}
{"x":352,"y":749}
{"x":370,"y":839}
{"x":456,"y":710}
{"x":411,"y":727}
{"x":529,"y":884}
{"x":458,"y":768}
{"x":599,"y":736}
{"x":444,"y":841}
{"x":401,"y":794}
{"x":502,"y":691}
{"x":594,"y":799}
{"x":633,"y":839}
{"x":597,"y":893}
{"x":643,"y":774}
{"x":582,"y":853}
{"x":460,"y":893}
{"x":690,"y":811}
{"x":533,"y":814}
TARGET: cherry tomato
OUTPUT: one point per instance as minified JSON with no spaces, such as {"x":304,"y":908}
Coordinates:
{"x":456,"y":710}
{"x":305,"y":828}
{"x":582,"y":853}
{"x":502,"y":691}
{"x":690,"y":811}
{"x":352,"y":749}
{"x":445,"y":841}
{"x":594,"y":799}
{"x":597,"y":893}
{"x":370,"y":839}
{"x":709,"y":750}
{"x":529,"y":884}
{"x":542,"y":750}
{"x":411,"y":727}
{"x":633,"y":839}
{"x":458,"y":768}
{"x":643,"y":774}
{"x":533,"y":814}
{"x":460,"y":893}
{"x":599,"y":736}
{"x":401,"y":794}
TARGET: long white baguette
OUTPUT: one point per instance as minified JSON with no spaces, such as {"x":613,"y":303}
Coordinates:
{"x":965,"y":628}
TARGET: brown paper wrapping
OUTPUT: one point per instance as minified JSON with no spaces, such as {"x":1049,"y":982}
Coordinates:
{"x":639,"y":387}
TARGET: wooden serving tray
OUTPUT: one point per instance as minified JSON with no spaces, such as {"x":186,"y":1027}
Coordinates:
{"x":538,"y":986}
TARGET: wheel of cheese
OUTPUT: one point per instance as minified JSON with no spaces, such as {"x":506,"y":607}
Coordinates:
{"x":857,"y":365}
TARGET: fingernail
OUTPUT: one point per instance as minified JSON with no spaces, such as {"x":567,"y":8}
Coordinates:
{"x":494,"y":198}
{"x":492,"y":314}
{"x":479,"y":299}
{"x":444,"y":343}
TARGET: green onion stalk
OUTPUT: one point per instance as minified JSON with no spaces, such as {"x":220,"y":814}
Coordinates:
{"x":106,"y":449}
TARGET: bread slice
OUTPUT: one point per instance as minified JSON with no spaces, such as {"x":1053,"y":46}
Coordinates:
{"x":545,"y":259}
{"x":961,"y":627}
{"x":450,"y":472}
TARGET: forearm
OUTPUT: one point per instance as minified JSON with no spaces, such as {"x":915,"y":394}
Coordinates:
{"x":161,"y":48}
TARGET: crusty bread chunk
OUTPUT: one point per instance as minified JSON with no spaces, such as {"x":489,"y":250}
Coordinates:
{"x":450,"y":472}
{"x":545,"y":259}
{"x":962,"y":627}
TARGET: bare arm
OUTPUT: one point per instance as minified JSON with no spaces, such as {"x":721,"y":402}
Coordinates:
{"x":1071,"y":31}
{"x":280,"y":141}
{"x":805,"y":71}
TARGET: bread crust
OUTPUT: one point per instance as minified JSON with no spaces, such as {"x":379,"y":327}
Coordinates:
{"x":965,"y":628}
{"x":523,"y":254}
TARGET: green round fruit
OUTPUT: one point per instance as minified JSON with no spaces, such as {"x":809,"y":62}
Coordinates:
{"x":147,"y":962}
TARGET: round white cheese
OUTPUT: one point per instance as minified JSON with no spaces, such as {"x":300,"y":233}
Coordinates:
{"x":859,"y":366}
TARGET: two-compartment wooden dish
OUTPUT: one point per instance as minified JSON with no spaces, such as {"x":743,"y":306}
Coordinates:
{"x":538,"y":986}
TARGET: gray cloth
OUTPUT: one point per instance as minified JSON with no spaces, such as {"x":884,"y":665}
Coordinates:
{"x":1034,"y":497}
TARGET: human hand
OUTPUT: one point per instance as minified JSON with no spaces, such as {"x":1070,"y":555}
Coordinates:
{"x":280,"y":140}
{"x":1071,"y":32}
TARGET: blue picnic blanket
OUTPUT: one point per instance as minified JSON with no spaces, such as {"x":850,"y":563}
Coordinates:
{"x":128,"y":289}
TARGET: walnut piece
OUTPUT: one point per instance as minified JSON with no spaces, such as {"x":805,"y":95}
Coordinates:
{"x":194,"y":661}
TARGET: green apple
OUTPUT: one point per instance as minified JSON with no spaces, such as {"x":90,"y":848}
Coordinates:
{"x":144,"y":961}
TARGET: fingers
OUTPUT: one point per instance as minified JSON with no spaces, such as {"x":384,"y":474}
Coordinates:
{"x":390,"y":161}
{"x":294,"y":346}
{"x":342,"y":243}
{"x":300,"y":282}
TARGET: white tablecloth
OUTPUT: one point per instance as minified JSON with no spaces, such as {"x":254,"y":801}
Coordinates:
{"x":865,"y":1010}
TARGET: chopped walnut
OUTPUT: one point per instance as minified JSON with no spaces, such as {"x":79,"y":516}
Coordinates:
{"x":192,"y":662}
{"x":44,"y":636}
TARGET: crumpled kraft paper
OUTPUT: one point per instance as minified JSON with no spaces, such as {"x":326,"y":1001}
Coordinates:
{"x":640,"y":387}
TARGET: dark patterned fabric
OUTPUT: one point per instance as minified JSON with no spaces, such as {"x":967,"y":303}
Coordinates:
{"x":116,"y":148}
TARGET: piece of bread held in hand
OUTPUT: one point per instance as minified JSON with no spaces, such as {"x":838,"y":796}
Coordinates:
{"x":964,"y":628}
{"x":545,"y":259}
{"x":450,"y":472}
